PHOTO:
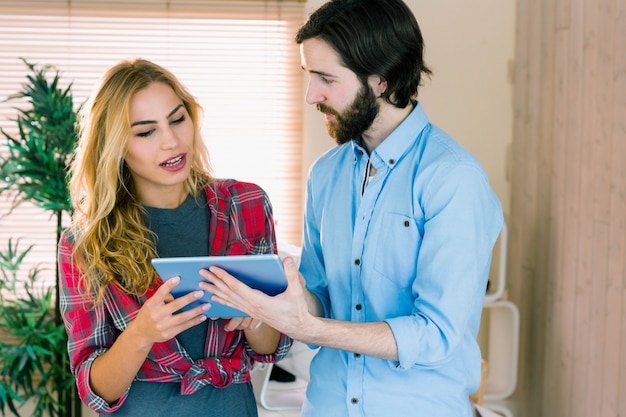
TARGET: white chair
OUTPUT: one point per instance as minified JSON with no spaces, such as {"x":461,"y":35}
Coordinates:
{"x":274,"y":395}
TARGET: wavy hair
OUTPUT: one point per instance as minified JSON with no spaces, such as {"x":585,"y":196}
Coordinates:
{"x":373,"y":37}
{"x":112,"y":244}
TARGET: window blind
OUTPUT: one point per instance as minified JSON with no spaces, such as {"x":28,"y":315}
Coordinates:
{"x":238,"y":58}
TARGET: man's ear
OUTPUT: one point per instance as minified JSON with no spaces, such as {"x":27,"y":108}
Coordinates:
{"x":378,"y":84}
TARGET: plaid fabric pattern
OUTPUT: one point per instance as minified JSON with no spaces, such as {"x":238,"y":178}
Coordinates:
{"x":241,"y":223}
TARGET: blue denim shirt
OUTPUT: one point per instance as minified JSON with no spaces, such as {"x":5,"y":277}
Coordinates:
{"x":412,"y":247}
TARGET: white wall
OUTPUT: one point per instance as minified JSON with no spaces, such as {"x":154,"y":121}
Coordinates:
{"x":470,"y":48}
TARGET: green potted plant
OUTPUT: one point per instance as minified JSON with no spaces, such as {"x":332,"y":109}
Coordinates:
{"x":32,"y":340}
{"x":33,"y":167}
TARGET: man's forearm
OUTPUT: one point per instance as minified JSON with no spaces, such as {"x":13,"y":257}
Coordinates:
{"x":313,"y":303}
{"x":371,"y":339}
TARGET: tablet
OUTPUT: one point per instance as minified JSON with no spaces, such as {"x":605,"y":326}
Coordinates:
{"x":261,"y":272}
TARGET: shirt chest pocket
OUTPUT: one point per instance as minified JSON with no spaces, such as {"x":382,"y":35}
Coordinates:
{"x":397,"y":248}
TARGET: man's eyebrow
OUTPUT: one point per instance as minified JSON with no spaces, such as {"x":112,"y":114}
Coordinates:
{"x":321,"y":73}
{"x":147,"y":122}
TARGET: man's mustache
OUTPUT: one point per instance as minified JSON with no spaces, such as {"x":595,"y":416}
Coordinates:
{"x":326,"y":110}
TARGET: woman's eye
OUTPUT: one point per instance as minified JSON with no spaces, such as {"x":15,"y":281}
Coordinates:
{"x":179,"y":120}
{"x":145,"y":134}
{"x":326,"y":80}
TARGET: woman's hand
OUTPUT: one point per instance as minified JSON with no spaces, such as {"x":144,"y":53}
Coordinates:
{"x":160,"y":318}
{"x":262,"y":339}
{"x":242,"y":323}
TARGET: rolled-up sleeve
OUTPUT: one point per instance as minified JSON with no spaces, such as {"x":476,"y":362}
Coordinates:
{"x":89,"y":330}
{"x":462,"y":220}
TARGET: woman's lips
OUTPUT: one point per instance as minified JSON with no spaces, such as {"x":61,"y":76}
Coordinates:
{"x":174,"y":164}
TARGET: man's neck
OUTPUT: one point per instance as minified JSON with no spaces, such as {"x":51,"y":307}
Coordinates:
{"x":388,"y":119}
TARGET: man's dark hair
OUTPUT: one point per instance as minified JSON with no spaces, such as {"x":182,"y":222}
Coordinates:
{"x":373,"y":37}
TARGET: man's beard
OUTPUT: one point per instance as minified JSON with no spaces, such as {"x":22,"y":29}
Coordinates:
{"x":356,"y":119}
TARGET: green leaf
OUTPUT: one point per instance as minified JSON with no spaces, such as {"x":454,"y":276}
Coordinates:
{"x":8,"y":397}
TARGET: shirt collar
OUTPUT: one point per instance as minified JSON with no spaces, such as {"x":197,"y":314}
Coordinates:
{"x":398,"y":142}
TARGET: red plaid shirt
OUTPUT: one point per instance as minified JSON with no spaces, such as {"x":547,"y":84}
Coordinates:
{"x":241,"y":223}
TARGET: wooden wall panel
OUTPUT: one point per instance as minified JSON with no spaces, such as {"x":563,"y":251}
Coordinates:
{"x":616,"y":355}
{"x":567,"y":250}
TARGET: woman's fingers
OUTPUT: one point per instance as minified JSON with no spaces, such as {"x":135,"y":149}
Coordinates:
{"x":162,"y":316}
{"x":242,"y":323}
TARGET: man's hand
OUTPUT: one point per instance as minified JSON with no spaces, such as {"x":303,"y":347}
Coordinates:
{"x":286,"y":312}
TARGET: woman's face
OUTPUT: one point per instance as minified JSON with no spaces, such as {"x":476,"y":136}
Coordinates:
{"x":160,"y":148}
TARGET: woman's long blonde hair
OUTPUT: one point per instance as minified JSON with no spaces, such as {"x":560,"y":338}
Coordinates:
{"x":112,"y":244}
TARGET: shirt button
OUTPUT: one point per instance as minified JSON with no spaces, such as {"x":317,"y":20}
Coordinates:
{"x":357,"y":355}
{"x":358,"y":306}
{"x":354,"y":401}
{"x":406,"y":223}
{"x":357,"y":262}
{"x":392,"y":161}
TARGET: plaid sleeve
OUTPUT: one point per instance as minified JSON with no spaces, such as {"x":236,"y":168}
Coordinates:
{"x":246,"y":228}
{"x":284,"y":345}
{"x":88,"y":328}
{"x":243,"y":223}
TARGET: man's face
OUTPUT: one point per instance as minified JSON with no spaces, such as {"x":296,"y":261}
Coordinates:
{"x":350,"y":123}
{"x":350,"y":105}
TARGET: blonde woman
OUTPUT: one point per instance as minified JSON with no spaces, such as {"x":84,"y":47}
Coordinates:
{"x":141,"y":188}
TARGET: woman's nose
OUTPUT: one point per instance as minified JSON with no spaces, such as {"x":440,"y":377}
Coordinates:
{"x":169,"y":140}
